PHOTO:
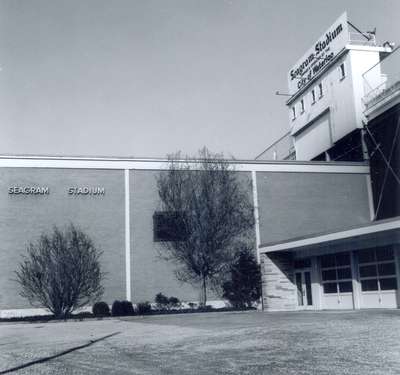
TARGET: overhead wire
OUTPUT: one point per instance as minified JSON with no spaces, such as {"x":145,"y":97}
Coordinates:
{"x":382,"y":154}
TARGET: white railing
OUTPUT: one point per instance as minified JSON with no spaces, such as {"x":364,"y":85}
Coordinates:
{"x":382,"y":80}
{"x":281,"y":149}
{"x":361,"y":40}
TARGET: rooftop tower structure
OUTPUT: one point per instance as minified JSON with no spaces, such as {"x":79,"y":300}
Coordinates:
{"x":326,"y":88}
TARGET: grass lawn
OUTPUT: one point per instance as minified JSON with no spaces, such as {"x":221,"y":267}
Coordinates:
{"x":363,"y":342}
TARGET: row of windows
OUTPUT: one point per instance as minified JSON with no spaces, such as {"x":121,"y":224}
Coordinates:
{"x":318,"y":89}
{"x":313,"y":100}
{"x":376,"y":269}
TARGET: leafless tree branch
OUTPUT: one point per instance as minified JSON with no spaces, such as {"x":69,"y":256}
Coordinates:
{"x":215,"y":213}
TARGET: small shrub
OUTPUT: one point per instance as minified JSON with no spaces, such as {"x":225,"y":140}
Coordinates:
{"x":174,"y":302}
{"x":162,"y":301}
{"x":82,"y":315}
{"x":100,"y":309}
{"x":244,"y":286}
{"x":143,"y":308}
{"x":122,"y":308}
{"x":116,"y":308}
{"x":205,"y":308}
{"x":127,"y":308}
{"x":165,"y":303}
{"x":192,"y":305}
{"x":65,"y":258}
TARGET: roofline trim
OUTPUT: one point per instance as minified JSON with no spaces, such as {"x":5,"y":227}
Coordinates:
{"x":333,"y":236}
{"x":162,"y":164}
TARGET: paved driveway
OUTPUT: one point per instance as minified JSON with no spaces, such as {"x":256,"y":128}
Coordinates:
{"x":363,"y":342}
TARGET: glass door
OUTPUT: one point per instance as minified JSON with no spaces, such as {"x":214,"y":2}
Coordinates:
{"x":304,"y":292}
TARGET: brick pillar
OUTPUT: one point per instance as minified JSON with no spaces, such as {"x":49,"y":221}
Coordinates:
{"x":279,"y":289}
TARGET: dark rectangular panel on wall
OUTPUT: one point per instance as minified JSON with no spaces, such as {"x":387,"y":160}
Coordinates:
{"x":299,"y":204}
{"x":25,"y":216}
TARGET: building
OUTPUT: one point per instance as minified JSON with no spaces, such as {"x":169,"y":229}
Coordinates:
{"x":327,"y":228}
{"x":344,"y":105}
{"x":114,"y":200}
{"x":327,"y":89}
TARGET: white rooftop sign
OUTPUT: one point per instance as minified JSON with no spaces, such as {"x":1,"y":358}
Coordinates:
{"x":318,"y":56}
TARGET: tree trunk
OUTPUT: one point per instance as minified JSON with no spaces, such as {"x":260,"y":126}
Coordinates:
{"x":203,"y":296}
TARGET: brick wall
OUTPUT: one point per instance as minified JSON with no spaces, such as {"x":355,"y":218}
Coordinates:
{"x":24,"y":217}
{"x":290,"y":204}
{"x":298,"y":204}
{"x":150,"y":273}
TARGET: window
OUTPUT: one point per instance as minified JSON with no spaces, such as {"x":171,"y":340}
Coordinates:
{"x":321,"y":92}
{"x":388,"y":284}
{"x":342,"y":71}
{"x":336,"y":273}
{"x":369,"y":285}
{"x":366,"y":256}
{"x":377,"y":269}
{"x":330,"y":288}
{"x":329,"y":275}
{"x":302,"y":105}
{"x":386,"y":269}
{"x":383,"y":254}
{"x":342,"y":259}
{"x":368,"y":271}
{"x":346,"y":287}
{"x":168,"y":226}
{"x":293,"y":113}
{"x":344,"y":273}
{"x":312,"y":96}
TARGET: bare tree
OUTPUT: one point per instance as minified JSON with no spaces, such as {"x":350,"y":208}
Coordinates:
{"x":61,"y":272}
{"x":211,"y":210}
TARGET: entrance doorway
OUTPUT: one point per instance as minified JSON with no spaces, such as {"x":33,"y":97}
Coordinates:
{"x":304,"y":292}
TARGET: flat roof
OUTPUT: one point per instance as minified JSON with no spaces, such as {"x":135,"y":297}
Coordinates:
{"x":117,"y":162}
{"x":372,"y":230}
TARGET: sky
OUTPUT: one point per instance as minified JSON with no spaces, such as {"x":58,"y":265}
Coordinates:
{"x":149,"y":78}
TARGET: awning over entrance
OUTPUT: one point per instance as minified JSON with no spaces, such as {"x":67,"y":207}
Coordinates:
{"x":357,"y":267}
{"x":378,"y":233}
